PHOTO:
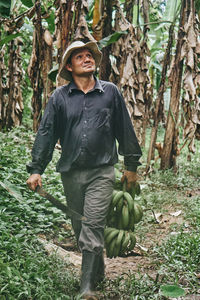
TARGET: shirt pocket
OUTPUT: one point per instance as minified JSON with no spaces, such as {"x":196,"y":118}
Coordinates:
{"x":99,"y":132}
{"x":101,"y":120}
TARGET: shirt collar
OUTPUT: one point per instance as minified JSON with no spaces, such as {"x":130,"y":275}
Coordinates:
{"x":98,"y":86}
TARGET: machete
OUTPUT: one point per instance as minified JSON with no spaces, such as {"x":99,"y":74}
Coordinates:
{"x":68,"y":211}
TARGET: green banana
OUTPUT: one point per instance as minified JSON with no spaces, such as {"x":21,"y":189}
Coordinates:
{"x":114,"y":193}
{"x":125,"y":242}
{"x":119,"y":224}
{"x":117,"y":198}
{"x":111,"y":236}
{"x":137,"y":212}
{"x":131,"y":225}
{"x":125,"y":216}
{"x":108,"y":230}
{"x":132,"y":241}
{"x":129,"y":200}
{"x":116,"y":250}
{"x":111,"y":248}
{"x":120,"y":205}
{"x":119,"y":238}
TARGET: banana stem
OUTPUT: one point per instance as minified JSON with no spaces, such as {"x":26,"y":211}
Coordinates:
{"x":124,"y":186}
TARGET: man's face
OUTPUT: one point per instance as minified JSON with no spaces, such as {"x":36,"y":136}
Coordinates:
{"x":82,"y":63}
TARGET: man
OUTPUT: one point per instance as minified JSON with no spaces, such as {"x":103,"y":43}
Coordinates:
{"x":87,"y":116}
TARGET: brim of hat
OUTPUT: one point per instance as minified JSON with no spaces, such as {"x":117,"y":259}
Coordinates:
{"x":92,"y":46}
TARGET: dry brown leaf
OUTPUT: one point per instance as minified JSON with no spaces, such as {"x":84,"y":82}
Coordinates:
{"x":127,"y":72}
{"x":190,"y":58}
{"x":192,"y":39}
{"x":114,"y":68}
{"x":140,"y":94}
{"x":189,"y":84}
{"x":137,"y":112}
{"x":189,"y":130}
{"x":197,"y":80}
{"x":197,"y":49}
{"x":131,"y":53}
{"x":48,"y":38}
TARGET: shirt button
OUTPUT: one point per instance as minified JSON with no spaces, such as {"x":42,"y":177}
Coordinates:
{"x":85,"y":122}
{"x":84,"y":135}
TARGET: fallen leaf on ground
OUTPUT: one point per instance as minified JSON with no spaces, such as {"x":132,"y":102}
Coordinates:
{"x":176,"y":214}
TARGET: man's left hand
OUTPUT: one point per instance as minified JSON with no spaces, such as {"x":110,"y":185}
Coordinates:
{"x":130,"y":178}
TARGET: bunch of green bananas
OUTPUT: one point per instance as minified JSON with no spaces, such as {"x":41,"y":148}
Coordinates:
{"x":118,"y":241}
{"x":124,"y":213}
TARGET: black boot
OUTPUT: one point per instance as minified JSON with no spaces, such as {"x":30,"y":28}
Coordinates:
{"x":101,"y":270}
{"x":90,"y":263}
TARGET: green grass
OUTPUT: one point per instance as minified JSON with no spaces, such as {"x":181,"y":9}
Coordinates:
{"x":27,"y":272}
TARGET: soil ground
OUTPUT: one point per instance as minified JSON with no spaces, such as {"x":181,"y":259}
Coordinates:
{"x":138,"y":260}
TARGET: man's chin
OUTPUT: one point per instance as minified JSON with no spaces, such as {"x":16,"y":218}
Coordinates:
{"x":87,"y":74}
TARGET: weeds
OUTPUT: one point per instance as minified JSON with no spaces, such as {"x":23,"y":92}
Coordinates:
{"x":27,"y":272}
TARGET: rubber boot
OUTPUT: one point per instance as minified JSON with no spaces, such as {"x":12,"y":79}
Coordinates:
{"x":90,"y":263}
{"x":101,"y":270}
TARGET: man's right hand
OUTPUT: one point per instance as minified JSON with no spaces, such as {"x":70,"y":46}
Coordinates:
{"x":33,"y":181}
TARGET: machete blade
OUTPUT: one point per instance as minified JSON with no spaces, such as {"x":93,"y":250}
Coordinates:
{"x":68,"y":211}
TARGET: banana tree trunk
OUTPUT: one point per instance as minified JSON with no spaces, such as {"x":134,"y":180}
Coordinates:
{"x":159,"y":105}
{"x":35,"y":68}
{"x":105,"y":68}
{"x":11,"y":102}
{"x":169,"y":153}
{"x":128,"y":6}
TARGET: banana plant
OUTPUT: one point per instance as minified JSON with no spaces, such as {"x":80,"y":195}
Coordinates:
{"x":160,"y":20}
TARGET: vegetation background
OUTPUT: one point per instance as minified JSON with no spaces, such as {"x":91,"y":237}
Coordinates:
{"x":151,"y":51}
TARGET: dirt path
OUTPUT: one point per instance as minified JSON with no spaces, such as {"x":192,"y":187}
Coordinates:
{"x":139,"y":259}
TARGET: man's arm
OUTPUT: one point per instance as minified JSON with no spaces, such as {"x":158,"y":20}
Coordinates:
{"x":43,"y":147}
{"x":128,"y":143}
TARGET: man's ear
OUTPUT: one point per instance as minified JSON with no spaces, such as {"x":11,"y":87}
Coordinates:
{"x":68,"y":67}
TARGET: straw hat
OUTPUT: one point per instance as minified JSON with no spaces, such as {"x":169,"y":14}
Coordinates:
{"x":92,"y":46}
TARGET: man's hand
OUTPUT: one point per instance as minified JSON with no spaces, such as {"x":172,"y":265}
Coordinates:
{"x":33,"y":181}
{"x":130,"y":178}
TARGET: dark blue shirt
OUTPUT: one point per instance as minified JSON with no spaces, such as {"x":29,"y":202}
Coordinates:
{"x":87,"y":126}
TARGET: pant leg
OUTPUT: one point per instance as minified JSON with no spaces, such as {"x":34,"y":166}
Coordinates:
{"x":73,"y":183}
{"x":98,"y":194}
{"x":89,"y":192}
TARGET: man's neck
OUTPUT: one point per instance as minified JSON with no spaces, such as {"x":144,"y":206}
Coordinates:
{"x":85,"y":83}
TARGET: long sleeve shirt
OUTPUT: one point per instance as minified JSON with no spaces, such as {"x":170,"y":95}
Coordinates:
{"x":87,"y":126}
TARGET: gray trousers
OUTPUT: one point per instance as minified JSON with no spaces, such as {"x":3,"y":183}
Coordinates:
{"x":89,"y":192}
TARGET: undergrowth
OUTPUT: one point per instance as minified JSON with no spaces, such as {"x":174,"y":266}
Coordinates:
{"x":27,"y":272}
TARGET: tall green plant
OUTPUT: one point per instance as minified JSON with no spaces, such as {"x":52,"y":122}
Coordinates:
{"x":5,"y":6}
